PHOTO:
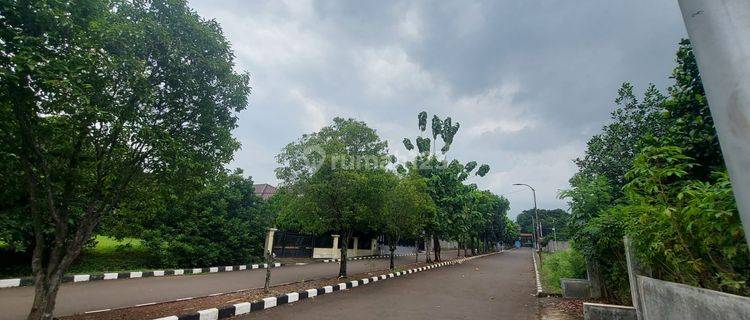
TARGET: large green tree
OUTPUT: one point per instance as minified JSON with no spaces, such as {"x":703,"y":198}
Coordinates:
{"x":445,"y":179}
{"x":97,"y":95}
{"x":406,"y":203}
{"x":334,"y":181}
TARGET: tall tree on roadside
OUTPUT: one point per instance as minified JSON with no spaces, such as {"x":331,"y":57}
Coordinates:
{"x":445,"y":179}
{"x":95,"y":93}
{"x":405,"y":205}
{"x":334,"y":180}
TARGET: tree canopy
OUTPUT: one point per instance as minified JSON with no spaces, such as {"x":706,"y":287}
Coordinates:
{"x":97,"y":97}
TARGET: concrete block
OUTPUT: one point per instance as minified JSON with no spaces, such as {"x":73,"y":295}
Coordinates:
{"x":575,"y":288}
{"x":597,"y":311}
{"x":665,"y":300}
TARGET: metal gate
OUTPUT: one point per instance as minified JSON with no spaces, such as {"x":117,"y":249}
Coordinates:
{"x":293,"y":245}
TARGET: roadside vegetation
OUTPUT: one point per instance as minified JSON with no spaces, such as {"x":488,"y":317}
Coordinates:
{"x":561,"y":264}
{"x":117,"y":121}
{"x":656,"y":174}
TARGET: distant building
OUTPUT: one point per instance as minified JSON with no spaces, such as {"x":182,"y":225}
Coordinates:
{"x":264,"y":190}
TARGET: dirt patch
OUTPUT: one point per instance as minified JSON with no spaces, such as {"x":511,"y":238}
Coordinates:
{"x":556,"y":308}
{"x":188,"y":306}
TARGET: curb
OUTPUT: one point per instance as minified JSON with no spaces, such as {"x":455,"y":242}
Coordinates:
{"x":368,"y":257}
{"x":241,"y":308}
{"x":29,"y":281}
{"x":538,"y":279}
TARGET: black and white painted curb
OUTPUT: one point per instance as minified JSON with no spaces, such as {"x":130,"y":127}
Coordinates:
{"x":536,"y":274}
{"x":241,"y":308}
{"x":369,"y":257}
{"x":29,"y":281}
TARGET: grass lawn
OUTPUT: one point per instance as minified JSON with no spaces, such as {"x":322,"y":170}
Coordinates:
{"x":561,"y":264}
{"x":111,"y":255}
{"x":107,"y":255}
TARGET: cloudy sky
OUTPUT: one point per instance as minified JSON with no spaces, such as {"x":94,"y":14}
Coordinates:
{"x":529,"y":81}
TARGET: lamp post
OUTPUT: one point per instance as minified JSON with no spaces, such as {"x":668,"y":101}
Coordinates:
{"x":554,"y":236}
{"x":538,"y":224}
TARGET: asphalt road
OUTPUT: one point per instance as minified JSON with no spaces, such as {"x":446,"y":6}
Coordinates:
{"x":500,"y":286}
{"x":81,"y":297}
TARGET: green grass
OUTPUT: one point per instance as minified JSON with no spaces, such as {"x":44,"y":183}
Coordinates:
{"x":112,"y":255}
{"x":562,"y":264}
{"x":106,"y":255}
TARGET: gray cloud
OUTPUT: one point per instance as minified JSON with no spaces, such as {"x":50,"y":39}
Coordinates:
{"x":530,"y":81}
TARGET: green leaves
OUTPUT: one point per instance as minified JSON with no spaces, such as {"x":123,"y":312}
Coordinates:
{"x":483,"y":170}
{"x":422,"y":124}
{"x":408,"y":145}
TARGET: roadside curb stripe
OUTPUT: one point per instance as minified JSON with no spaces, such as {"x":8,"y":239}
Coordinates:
{"x":368,"y":257}
{"x":536,"y":274}
{"x":29,"y":281}
{"x":228,"y":311}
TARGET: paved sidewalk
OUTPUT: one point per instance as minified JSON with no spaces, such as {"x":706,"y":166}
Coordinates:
{"x":495,"y":287}
{"x":89,"y":296}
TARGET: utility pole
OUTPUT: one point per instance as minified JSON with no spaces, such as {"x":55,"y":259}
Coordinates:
{"x":720,"y":33}
{"x":538,"y":225}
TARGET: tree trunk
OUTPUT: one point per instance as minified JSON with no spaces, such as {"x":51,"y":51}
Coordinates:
{"x":269,"y":263}
{"x":45,"y":294}
{"x":436,"y":244}
{"x":393,"y":251}
{"x":466,"y":246}
{"x":427,"y":241}
{"x":458,"y":249}
{"x":344,"y":246}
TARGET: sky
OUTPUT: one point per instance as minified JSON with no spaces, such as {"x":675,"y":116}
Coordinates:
{"x":529,"y":81}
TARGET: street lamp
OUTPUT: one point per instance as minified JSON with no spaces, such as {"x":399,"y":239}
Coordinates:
{"x":538,"y":224}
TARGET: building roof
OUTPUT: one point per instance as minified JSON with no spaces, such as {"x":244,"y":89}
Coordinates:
{"x":264,"y":190}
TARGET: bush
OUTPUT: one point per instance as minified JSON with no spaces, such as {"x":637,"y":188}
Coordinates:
{"x":563,"y":264}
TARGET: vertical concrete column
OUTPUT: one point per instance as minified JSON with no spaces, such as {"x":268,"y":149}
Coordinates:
{"x":719,"y":30}
{"x":592,"y":274}
{"x":356,"y":244}
{"x":374,"y":246}
{"x":635,"y":269}
{"x":269,"y":240}
{"x":335,"y":253}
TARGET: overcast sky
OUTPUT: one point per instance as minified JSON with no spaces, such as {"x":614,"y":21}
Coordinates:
{"x":529,"y":81}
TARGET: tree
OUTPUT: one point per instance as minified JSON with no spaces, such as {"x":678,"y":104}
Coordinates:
{"x":335,"y":180}
{"x":555,"y":218}
{"x":95,"y":97}
{"x":445,"y":179}
{"x":405,"y":205}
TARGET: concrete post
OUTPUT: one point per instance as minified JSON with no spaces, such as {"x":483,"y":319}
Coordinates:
{"x":374,"y":246}
{"x":269,"y":240}
{"x":592,"y":274}
{"x":635,"y":269}
{"x":720,"y":33}
{"x":335,"y":245}
{"x":356,"y":245}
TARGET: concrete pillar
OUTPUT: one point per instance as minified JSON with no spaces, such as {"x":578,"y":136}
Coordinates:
{"x":269,"y":240}
{"x":335,"y":245}
{"x":635,"y":269}
{"x":720,"y":33}
{"x":356,"y":244}
{"x":592,"y":274}
{"x":374,"y":246}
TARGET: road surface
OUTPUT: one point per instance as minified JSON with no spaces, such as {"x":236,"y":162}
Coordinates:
{"x":500,"y":286}
{"x":109,"y":294}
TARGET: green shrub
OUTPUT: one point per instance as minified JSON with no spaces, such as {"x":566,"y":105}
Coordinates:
{"x":563,"y":264}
